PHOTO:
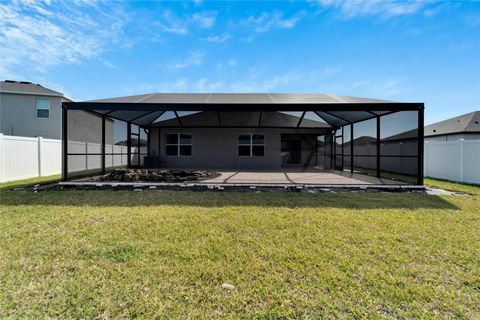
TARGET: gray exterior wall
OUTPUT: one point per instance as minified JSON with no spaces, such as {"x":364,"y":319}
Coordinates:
{"x":217,"y":148}
{"x":18,"y":116}
{"x":454,"y":137}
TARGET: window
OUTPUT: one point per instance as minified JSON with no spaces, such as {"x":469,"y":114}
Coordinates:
{"x":178,"y":144}
{"x":43,"y":108}
{"x":251,"y":145}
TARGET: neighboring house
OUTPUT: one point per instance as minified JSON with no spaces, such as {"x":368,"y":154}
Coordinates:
{"x":30,"y":110}
{"x":466,"y":127}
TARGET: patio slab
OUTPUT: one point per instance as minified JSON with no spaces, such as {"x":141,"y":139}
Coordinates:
{"x":287,"y":177}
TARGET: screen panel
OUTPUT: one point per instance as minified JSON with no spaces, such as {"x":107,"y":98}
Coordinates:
{"x":365,"y":138}
{"x":84,"y":143}
{"x":399,"y":134}
{"x":115,"y":144}
{"x":399,"y":146}
{"x":365,"y":147}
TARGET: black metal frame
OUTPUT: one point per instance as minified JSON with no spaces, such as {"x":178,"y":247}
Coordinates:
{"x":103,"y":144}
{"x":150,"y":108}
{"x":64,"y":144}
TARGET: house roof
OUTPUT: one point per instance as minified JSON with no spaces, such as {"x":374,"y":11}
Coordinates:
{"x":24,"y":87}
{"x":466,"y":123}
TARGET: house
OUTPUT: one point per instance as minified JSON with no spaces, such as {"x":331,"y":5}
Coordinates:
{"x":464,"y":127}
{"x":30,"y":110}
{"x":246,"y":132}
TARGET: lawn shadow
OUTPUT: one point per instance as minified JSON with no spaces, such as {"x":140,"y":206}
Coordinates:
{"x":130,"y":198}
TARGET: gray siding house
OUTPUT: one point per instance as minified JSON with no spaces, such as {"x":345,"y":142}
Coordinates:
{"x":464,"y":127}
{"x":30,"y":110}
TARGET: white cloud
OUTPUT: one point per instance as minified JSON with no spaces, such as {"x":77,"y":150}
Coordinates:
{"x":185,"y":84}
{"x":181,"y":25}
{"x":193,"y":59}
{"x":297,"y":80}
{"x":205,"y":85}
{"x":229,"y":63}
{"x":218,"y":38}
{"x":383,"y":8}
{"x":40,"y":36}
{"x":172,"y":24}
{"x":205,"y":19}
{"x":265,"y":84}
{"x":247,"y":39}
{"x":107,"y":63}
{"x":179,"y":85}
{"x":266,"y":21}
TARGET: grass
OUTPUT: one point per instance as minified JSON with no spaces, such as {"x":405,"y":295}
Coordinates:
{"x":165,"y":254}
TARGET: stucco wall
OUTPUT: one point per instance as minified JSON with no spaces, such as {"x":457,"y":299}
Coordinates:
{"x":217,"y":148}
{"x":18,"y":116}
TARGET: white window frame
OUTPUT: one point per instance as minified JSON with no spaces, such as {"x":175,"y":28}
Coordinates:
{"x":178,"y":144}
{"x":37,"y":108}
{"x":251,"y":145}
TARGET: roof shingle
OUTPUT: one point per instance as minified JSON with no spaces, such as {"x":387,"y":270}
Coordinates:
{"x":469,"y":122}
{"x":23,"y":87}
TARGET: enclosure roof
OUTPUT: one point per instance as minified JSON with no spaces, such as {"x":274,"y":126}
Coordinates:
{"x":334,"y":110}
{"x":240,"y":98}
{"x":466,"y":123}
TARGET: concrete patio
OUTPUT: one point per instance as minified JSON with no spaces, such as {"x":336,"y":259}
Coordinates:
{"x":310,"y":176}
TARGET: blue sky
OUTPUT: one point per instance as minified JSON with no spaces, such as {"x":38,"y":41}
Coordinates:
{"x":407,"y":51}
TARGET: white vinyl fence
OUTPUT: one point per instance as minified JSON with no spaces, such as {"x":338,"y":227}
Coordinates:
{"x":24,"y":157}
{"x":453,"y":160}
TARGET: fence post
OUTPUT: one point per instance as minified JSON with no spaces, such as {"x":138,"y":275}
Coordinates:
{"x":86,"y":155}
{"x":2,"y":159}
{"x":425,"y":159}
{"x":461,"y":159}
{"x":40,"y":154}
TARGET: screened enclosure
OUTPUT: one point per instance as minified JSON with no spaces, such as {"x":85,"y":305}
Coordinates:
{"x":376,"y":138}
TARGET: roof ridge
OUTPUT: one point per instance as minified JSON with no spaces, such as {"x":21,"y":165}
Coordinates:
{"x":271,"y":98}
{"x":472,"y":118}
{"x":144,"y":98}
{"x":466,"y":116}
{"x":333,"y":97}
{"x":208,"y":98}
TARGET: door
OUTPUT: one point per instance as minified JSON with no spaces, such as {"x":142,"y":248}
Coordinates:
{"x":291,"y":152}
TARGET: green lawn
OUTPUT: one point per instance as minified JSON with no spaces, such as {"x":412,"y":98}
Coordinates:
{"x":165,"y":254}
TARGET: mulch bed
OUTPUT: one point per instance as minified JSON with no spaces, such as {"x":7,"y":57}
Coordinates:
{"x":158,"y":175}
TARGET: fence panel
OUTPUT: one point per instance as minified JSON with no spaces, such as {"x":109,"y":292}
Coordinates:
{"x":453,"y":160}
{"x":24,"y":157}
{"x":20,"y":157}
{"x":51,"y":161}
